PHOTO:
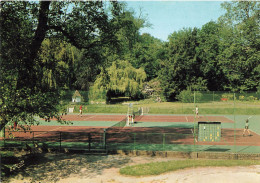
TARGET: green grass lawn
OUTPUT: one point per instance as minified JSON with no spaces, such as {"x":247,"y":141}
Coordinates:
{"x":238,"y":107}
{"x":157,"y":168}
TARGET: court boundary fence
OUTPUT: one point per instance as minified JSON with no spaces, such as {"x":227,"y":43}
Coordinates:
{"x":113,"y":141}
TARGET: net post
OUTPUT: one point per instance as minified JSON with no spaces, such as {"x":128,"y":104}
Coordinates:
{"x":127,"y":120}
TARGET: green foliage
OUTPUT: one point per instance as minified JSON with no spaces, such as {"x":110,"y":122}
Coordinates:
{"x":222,"y":55}
{"x":187,"y":96}
{"x":57,"y":62}
{"x":34,"y":68}
{"x":41,"y":55}
{"x":120,"y":78}
{"x":97,"y":94}
{"x":239,"y":57}
{"x":147,"y":53}
{"x":229,"y":96}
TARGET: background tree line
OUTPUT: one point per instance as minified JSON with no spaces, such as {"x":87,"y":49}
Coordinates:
{"x":220,"y":56}
{"x":47,"y":47}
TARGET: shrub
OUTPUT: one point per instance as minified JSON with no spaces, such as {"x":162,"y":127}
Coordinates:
{"x":252,"y":98}
{"x":241,"y":97}
{"x":229,"y":96}
{"x":187,"y":96}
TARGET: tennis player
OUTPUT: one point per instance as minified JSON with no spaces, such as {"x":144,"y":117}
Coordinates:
{"x":80,"y":110}
{"x":246,"y":128}
{"x":197,"y":112}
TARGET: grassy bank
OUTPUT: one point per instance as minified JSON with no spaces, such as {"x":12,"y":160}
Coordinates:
{"x":157,"y":168}
{"x":241,"y":108}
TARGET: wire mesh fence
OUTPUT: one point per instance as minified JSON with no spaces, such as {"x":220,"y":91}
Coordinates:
{"x":230,"y":110}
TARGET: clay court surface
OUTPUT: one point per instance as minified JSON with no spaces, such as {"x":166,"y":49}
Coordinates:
{"x":146,"y":118}
{"x":142,"y":135}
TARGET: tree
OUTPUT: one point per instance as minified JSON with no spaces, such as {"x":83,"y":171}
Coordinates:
{"x":121,"y":79}
{"x":182,"y":68}
{"x":208,"y":50}
{"x":146,"y":53}
{"x":24,"y":26}
{"x":126,"y":28}
{"x":239,"y":57}
{"x":57,"y":60}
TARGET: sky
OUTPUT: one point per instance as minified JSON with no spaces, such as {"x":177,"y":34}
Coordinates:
{"x":167,"y":17}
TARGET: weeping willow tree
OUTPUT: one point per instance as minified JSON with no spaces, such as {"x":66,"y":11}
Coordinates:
{"x":121,"y":79}
{"x":57,"y":59}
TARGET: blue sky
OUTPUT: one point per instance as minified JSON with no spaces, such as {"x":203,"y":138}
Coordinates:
{"x":169,"y":16}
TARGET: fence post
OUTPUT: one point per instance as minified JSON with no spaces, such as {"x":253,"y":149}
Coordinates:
{"x":163,"y":141}
{"x":33,"y":139}
{"x":134,"y":140}
{"x":234,"y":113}
{"x":4,"y":136}
{"x":104,"y":139}
{"x":60,"y":141}
{"x":89,"y":141}
{"x":194,"y":141}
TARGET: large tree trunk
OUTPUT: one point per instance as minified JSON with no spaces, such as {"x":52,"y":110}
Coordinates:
{"x":27,"y":76}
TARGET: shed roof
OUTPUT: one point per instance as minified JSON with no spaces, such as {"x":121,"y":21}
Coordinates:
{"x":76,"y":94}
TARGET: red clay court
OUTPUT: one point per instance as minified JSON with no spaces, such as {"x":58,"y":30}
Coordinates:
{"x":147,"y":118}
{"x":175,"y":135}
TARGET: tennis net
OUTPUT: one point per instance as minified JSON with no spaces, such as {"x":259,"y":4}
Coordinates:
{"x":118,"y":125}
{"x":137,"y":113}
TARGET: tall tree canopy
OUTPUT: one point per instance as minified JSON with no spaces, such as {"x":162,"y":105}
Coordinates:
{"x":240,"y":54}
{"x":51,"y":45}
{"x":222,"y":55}
{"x":121,"y":78}
{"x":24,"y":26}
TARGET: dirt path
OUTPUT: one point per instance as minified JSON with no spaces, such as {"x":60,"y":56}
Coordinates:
{"x":96,"y":169}
{"x":197,"y":175}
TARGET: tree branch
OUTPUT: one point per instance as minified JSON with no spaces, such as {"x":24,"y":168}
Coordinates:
{"x":71,"y":38}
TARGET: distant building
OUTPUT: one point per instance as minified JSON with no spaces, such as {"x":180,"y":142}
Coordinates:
{"x":77,"y":97}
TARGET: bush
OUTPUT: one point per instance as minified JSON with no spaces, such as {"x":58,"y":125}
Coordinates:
{"x":241,"y":98}
{"x":97,"y":94}
{"x":229,"y":96}
{"x":187,"y":96}
{"x":252,"y":98}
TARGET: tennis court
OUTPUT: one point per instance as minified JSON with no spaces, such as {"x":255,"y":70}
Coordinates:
{"x":149,"y":132}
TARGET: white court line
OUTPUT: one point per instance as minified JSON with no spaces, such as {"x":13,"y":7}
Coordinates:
{"x":55,"y":129}
{"x":90,"y":117}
